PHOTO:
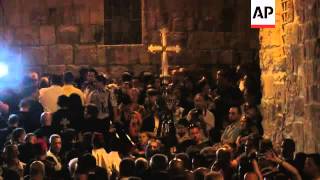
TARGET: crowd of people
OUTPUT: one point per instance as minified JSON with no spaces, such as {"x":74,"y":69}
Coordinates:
{"x":88,"y":126}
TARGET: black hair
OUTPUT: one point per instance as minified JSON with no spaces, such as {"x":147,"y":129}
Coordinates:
{"x":56,"y":79}
{"x":68,"y":77}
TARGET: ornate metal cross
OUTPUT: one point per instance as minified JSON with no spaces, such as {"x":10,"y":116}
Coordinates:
{"x":164,"y":49}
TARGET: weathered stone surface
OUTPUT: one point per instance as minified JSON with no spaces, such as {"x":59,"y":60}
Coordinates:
{"x":91,"y":34}
{"x":35,"y":55}
{"x":68,"y":34}
{"x":6,"y":35}
{"x":86,"y":55}
{"x":117,"y":70}
{"x":47,"y":35}
{"x":102,"y":58}
{"x":13,"y":12}
{"x":60,"y":54}
{"x":226,"y":57}
{"x":28,"y":35}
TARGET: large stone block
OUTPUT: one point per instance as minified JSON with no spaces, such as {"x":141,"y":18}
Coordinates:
{"x":91,"y":34}
{"x":55,"y":69}
{"x":102,"y":58}
{"x":226,"y":57}
{"x":86,"y":55}
{"x":97,"y":16}
{"x":116,"y":71}
{"x":28,"y":35}
{"x":206,"y":40}
{"x":34,"y":12}
{"x":68,"y":34}
{"x":60,"y":54}
{"x":137,"y":69}
{"x":6,"y":35}
{"x":82,"y":14}
{"x":47,"y":35}
{"x":13,"y":12}
{"x":35,"y":55}
{"x":123,"y":55}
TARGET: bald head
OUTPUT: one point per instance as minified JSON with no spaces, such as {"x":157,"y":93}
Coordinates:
{"x":46,"y":119}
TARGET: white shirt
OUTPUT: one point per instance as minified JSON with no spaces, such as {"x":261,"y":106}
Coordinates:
{"x":48,"y":98}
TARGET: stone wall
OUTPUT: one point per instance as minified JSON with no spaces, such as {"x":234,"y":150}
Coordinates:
{"x":58,"y":35}
{"x":290,"y":65}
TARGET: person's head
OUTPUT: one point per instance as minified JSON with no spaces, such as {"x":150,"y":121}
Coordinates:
{"x":199,"y":101}
{"x":31,"y":138}
{"x":98,"y":140}
{"x":186,"y":160}
{"x":203,"y":86}
{"x":195,"y":134}
{"x":56,"y":80}
{"x":18,"y":135}
{"x":200,"y":173}
{"x":134,"y":124}
{"x":11,"y":152}
{"x":288,"y":147}
{"x":34,"y":76}
{"x":101,"y":81}
{"x":55,"y":143}
{"x":44,"y":82}
{"x":134,"y":94}
{"x":91,"y":75}
{"x":143,"y":138}
{"x":213,"y":175}
{"x":153,"y":147}
{"x":24,"y":105}
{"x":159,"y":162}
{"x":141,"y":166}
{"x":221,"y":78}
{"x":234,"y":113}
{"x":251,"y":176}
{"x":152,"y":95}
{"x":46,"y":119}
{"x":91,"y":111}
{"x":312,"y":165}
{"x":127,"y":167}
{"x":63,"y":101}
{"x":176,"y":165}
{"x":37,"y":170}
{"x":74,"y":101}
{"x":223,"y":156}
{"x":182,"y":127}
{"x":68,"y":77}
{"x":86,"y":162}
{"x":13,"y":121}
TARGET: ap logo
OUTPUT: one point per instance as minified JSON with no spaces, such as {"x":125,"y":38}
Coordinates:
{"x":263,"y":14}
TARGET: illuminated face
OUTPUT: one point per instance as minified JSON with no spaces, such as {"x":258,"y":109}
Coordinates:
{"x":134,"y":95}
{"x":91,"y":76}
{"x":56,"y":145}
{"x":154,"y":145}
{"x":33,"y":140}
{"x":234,"y":115}
{"x":143,"y":138}
{"x":195,"y":134}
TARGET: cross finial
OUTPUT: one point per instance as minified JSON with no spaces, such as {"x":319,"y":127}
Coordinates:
{"x":164,"y":49}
